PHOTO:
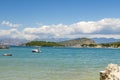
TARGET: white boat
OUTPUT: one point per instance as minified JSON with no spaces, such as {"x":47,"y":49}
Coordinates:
{"x":36,"y":50}
{"x":7,"y":54}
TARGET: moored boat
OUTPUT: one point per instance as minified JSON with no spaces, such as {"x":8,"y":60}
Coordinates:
{"x":37,"y":50}
{"x":7,"y":54}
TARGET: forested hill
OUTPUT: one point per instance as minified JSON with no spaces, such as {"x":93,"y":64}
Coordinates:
{"x":42,"y":43}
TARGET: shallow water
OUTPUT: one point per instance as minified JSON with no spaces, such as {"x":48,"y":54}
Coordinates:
{"x":56,"y":63}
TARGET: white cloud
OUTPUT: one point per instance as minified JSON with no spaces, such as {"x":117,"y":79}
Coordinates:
{"x":14,"y":33}
{"x":105,"y":25}
{"x":4,"y":32}
{"x":101,"y":28}
{"x":107,"y":28}
{"x":7,"y":23}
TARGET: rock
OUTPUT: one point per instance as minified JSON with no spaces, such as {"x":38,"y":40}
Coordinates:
{"x":112,"y":72}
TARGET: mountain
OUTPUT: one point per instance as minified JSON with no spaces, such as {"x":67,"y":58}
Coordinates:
{"x":78,"y":42}
{"x":65,"y":41}
{"x":53,"y":39}
{"x":105,"y":40}
{"x":10,"y":41}
{"x":97,"y":40}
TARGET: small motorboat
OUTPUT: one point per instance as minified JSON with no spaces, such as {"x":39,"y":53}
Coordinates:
{"x":7,"y":54}
{"x":36,"y":50}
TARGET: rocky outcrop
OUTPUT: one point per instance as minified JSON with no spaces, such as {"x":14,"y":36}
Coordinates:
{"x":78,"y":42}
{"x":112,"y":72}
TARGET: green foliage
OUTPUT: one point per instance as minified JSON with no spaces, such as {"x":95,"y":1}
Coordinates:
{"x":47,"y":44}
{"x":89,"y":45}
{"x":114,"y":44}
{"x":42,"y":43}
{"x":92,"y":45}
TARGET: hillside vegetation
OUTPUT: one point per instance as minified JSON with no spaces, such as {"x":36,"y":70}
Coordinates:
{"x":113,"y":44}
{"x":42,"y":43}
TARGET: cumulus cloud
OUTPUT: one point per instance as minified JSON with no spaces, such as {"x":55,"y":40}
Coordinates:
{"x":13,"y":33}
{"x":4,"y":32}
{"x":7,"y":23}
{"x":105,"y":28}
{"x":108,"y":27}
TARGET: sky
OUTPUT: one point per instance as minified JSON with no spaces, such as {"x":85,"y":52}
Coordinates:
{"x":47,"y":19}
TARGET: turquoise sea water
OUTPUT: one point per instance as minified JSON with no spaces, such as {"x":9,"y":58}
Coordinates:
{"x":56,"y":63}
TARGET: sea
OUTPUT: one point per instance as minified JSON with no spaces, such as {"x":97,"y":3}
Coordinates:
{"x":56,"y":63}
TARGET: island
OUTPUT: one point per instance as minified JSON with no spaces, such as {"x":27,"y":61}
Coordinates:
{"x":78,"y":43}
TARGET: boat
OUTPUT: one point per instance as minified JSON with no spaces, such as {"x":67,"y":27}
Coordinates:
{"x":37,"y":50}
{"x":7,"y":54}
{"x":4,"y":47}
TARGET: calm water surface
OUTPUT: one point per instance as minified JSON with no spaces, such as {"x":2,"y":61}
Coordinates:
{"x":56,"y":63}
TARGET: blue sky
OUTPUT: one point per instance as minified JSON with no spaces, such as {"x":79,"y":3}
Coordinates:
{"x":27,"y":17}
{"x":58,"y":11}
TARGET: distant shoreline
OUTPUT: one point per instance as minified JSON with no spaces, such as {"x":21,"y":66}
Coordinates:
{"x":4,"y":47}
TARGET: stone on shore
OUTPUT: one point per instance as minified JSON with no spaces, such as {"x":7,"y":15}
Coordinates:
{"x":112,"y":72}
